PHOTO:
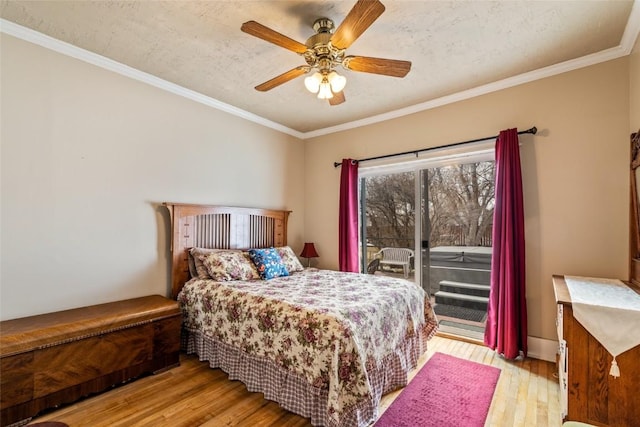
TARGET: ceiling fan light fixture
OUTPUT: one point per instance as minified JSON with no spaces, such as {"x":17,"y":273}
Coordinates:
{"x":312,"y":83}
{"x":325,"y":90}
{"x":326,"y":49}
{"x":337,"y":81}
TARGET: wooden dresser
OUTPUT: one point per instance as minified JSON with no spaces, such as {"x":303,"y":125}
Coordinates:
{"x":56,"y":358}
{"x":588,"y":393}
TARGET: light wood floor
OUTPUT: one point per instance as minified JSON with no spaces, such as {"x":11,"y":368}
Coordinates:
{"x":193,"y":395}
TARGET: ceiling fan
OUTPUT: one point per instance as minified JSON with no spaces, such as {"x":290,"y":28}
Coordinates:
{"x":326,"y":49}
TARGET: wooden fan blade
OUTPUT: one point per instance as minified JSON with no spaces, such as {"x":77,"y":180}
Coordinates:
{"x":338,"y":98}
{"x":282,"y":78}
{"x":387,"y":67}
{"x":272,"y":36}
{"x":360,"y":17}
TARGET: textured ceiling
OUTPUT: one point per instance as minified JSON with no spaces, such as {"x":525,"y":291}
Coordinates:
{"x":453,"y":45}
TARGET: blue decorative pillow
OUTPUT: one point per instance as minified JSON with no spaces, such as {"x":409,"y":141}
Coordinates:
{"x":268,"y":262}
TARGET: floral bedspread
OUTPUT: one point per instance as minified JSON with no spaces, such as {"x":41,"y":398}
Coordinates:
{"x":325,"y":326}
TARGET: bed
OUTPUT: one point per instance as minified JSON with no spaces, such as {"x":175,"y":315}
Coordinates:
{"x":323,"y":344}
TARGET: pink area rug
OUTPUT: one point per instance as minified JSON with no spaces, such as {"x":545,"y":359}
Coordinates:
{"x":447,"y":392}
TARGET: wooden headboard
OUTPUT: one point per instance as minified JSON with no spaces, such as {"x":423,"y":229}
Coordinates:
{"x":220,"y":227}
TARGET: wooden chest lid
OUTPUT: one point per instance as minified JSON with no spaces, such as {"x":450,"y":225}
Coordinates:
{"x":44,"y":330}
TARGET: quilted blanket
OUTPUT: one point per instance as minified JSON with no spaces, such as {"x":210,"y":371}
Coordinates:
{"x":329,"y":328}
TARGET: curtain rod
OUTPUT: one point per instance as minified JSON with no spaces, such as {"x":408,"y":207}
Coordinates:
{"x":533,"y":131}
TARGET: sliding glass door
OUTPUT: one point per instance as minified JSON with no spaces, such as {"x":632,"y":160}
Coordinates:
{"x":461,"y":202}
{"x":443,"y":214}
{"x":388,"y":206}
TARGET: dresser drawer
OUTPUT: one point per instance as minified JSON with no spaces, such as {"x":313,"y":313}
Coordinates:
{"x":563,"y":377}
{"x":559,"y":321}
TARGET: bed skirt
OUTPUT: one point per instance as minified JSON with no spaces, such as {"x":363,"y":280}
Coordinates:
{"x":294,"y":393}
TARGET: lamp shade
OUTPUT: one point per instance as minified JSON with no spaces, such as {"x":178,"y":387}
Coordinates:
{"x":325,"y":90}
{"x":309,"y":251}
{"x":337,"y":81}
{"x":312,"y":83}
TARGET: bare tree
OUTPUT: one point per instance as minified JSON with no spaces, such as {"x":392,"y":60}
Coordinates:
{"x":461,"y":203}
{"x":391,"y":210}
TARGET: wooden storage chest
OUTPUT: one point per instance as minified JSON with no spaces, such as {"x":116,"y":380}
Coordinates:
{"x":56,"y":358}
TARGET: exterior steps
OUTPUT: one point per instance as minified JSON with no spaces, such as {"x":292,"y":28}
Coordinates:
{"x":460,"y":294}
{"x":465,"y":288}
{"x":462,"y":300}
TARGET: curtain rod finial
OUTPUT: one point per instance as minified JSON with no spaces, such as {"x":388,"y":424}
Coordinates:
{"x":534,"y":130}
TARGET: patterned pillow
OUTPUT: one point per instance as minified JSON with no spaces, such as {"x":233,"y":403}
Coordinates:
{"x":224,"y":266}
{"x":290,"y":260}
{"x":196,"y":255}
{"x":268,"y":262}
{"x":193,"y":272}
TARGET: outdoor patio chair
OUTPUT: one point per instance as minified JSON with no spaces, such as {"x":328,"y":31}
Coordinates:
{"x":396,"y":256}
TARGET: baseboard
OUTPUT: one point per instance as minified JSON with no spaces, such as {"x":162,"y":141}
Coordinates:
{"x":543,"y":349}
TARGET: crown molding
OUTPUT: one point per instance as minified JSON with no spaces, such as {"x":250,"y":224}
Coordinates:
{"x":632,"y":30}
{"x":552,"y":70}
{"x":625,"y":47}
{"x":68,"y":49}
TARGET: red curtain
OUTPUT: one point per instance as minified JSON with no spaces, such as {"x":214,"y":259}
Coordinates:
{"x":506,"y":330}
{"x":348,"y":217}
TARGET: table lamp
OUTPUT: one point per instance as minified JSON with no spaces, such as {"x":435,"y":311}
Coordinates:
{"x":308,"y":252}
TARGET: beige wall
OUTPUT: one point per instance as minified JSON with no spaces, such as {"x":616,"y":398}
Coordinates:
{"x":574,"y":176}
{"x":87,"y":156}
{"x":634,"y":73}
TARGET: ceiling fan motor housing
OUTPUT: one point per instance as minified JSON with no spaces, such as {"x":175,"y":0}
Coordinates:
{"x":320,"y":53}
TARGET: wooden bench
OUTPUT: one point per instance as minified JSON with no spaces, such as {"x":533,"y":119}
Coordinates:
{"x":396,"y":256}
{"x":57,"y":358}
